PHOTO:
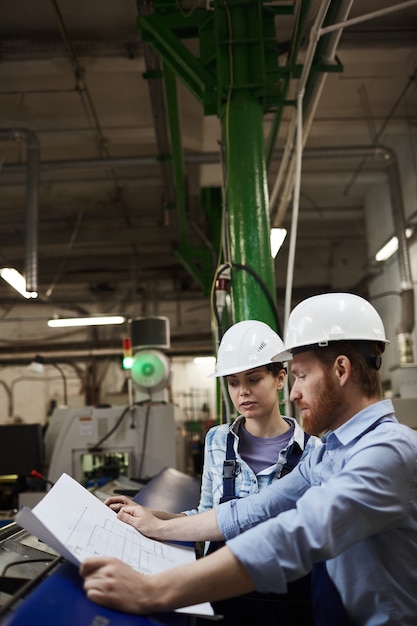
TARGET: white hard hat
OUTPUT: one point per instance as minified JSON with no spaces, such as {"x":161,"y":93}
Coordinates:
{"x":246,"y":345}
{"x":319,"y":320}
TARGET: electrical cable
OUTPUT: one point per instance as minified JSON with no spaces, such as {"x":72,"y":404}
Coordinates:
{"x":144,"y":440}
{"x":24,"y":562}
{"x":259,"y":280}
{"x":213,"y":302}
{"x":96,"y":446}
{"x":25,"y":589}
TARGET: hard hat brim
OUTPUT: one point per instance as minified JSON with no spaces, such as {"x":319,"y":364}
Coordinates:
{"x":281,"y":357}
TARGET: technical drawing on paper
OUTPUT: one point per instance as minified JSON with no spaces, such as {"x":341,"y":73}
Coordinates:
{"x":114,"y":538}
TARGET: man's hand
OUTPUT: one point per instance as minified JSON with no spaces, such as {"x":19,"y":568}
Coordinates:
{"x":112,"y":583}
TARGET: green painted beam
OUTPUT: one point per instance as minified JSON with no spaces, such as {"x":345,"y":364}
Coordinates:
{"x":158,"y":32}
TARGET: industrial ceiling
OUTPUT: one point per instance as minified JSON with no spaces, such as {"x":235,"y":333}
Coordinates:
{"x":80,"y":95}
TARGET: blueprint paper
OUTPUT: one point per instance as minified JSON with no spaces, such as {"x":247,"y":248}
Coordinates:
{"x":76,"y":524}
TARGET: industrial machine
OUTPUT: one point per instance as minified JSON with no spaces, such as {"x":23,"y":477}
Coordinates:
{"x":97,"y":444}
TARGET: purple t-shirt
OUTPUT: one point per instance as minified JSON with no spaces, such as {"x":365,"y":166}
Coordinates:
{"x":259,"y":452}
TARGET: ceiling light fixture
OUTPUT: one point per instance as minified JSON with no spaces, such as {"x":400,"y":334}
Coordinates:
{"x":391,"y":246}
{"x":17,"y":281}
{"x":277,"y":239}
{"x":204,"y":360}
{"x":103,"y":320}
{"x":387,"y":250}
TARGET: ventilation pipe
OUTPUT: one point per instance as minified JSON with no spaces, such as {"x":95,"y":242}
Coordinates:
{"x":406,"y":325}
{"x":32,"y":202}
{"x":405,"y":328}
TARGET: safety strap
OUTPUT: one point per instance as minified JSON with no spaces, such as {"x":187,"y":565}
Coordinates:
{"x":293,"y":456}
{"x":230,"y":467}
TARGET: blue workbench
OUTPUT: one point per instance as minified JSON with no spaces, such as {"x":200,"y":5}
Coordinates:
{"x":60,"y":599}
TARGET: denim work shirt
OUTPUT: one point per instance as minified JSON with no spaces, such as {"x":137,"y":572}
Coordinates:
{"x":351,"y":502}
{"x":246,"y":481}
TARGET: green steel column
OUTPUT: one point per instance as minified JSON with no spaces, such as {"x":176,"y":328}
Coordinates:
{"x":248,"y":213}
{"x":242,"y":78}
{"x":236,"y":77}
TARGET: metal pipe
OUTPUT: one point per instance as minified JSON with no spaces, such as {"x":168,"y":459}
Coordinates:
{"x":333,"y":33}
{"x":300,"y":17}
{"x":368,"y":16}
{"x":9,"y":397}
{"x":295,"y":211}
{"x":406,"y":325}
{"x":291,"y":165}
{"x":32,"y":201}
{"x":284,"y":183}
{"x":86,"y":164}
{"x":64,"y":381}
{"x":389,"y":158}
{"x":194,"y":158}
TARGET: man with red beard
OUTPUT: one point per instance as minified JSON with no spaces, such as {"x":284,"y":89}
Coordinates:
{"x":347,"y":512}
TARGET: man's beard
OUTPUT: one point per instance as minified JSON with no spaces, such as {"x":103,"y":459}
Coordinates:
{"x":325,"y":409}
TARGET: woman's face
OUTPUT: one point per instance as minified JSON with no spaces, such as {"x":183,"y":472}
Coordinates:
{"x":254,"y":393}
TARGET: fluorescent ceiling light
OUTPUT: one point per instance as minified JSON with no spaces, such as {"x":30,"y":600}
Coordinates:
{"x":202,"y":360}
{"x":277,"y":239}
{"x":388,"y":250}
{"x":17,"y":281}
{"x":391,"y":246}
{"x":86,"y":321}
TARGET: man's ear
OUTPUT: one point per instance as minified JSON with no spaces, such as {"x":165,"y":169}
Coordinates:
{"x":342,"y":367}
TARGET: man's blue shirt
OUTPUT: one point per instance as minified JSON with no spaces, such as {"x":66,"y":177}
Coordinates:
{"x":352,"y":503}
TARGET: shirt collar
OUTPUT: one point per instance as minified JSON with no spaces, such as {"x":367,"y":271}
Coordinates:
{"x":298,"y":431}
{"x":361,"y":422}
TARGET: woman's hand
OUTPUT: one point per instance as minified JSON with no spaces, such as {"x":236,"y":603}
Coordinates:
{"x":117,"y":502}
{"x":142,"y":519}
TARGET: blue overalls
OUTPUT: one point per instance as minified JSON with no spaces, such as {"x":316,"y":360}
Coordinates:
{"x":328,"y":609}
{"x":271,"y":609}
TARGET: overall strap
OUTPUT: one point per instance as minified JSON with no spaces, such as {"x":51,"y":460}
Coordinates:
{"x":293,"y":456}
{"x":229,"y":470}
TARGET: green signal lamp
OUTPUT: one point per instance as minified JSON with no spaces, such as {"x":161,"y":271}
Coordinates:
{"x":150,"y":370}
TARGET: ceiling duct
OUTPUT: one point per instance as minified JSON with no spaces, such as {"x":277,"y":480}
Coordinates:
{"x":32,"y":201}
